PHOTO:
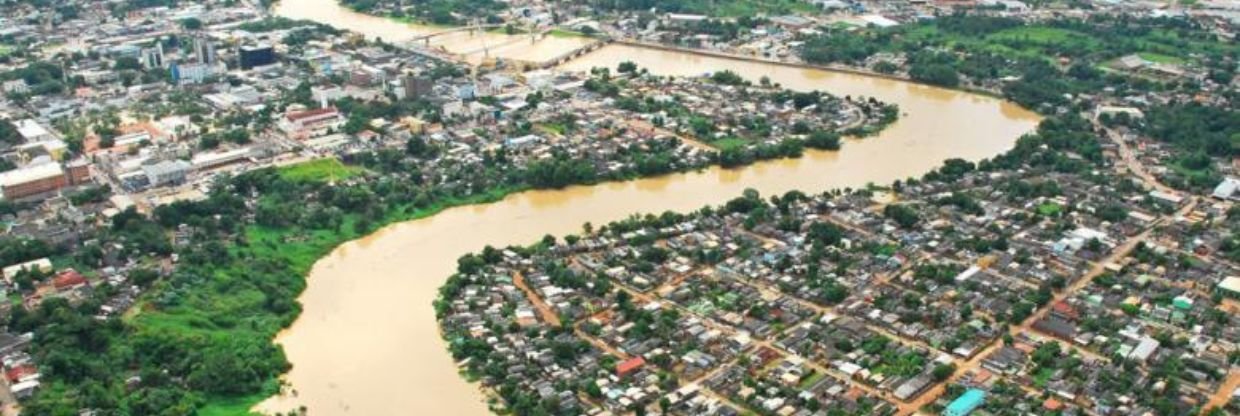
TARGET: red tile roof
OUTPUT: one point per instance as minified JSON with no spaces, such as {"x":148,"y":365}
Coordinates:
{"x":68,"y":278}
{"x":309,"y":113}
{"x":16,"y":373}
{"x":629,"y":366}
{"x":1063,"y":308}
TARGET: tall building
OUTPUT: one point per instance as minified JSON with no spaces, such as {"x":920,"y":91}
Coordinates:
{"x":415,"y":86}
{"x":204,"y":50}
{"x":257,"y":55}
{"x":191,"y":73}
{"x":153,"y":57}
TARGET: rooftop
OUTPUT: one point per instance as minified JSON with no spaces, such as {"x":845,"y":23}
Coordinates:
{"x":1230,"y":284}
{"x":31,"y":130}
{"x":966,"y":403}
{"x":30,"y":173}
{"x":302,"y":115}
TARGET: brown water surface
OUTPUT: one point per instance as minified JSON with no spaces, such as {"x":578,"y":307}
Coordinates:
{"x":367,"y":342}
{"x":471,"y":45}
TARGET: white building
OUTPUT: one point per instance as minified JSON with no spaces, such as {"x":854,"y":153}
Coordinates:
{"x":193,"y":73}
{"x":166,"y":172}
{"x":16,"y":86}
{"x":1227,"y":189}
{"x":31,"y":131}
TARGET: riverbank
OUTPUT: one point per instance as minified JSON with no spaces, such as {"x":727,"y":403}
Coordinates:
{"x":361,"y":342}
{"x":299,"y":247}
{"x":300,"y":254}
{"x":797,"y":64}
{"x":558,"y":44}
{"x":303,"y":248}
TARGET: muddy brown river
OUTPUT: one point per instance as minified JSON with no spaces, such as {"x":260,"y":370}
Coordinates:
{"x":367,"y":342}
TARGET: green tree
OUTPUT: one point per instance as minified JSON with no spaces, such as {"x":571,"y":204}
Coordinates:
{"x":191,"y":23}
{"x":942,"y":371}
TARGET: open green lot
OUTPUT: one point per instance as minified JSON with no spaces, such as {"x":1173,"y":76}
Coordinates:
{"x":320,"y":170}
{"x":729,"y":143}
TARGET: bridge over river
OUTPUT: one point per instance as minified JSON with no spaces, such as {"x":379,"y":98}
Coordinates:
{"x":367,"y":342}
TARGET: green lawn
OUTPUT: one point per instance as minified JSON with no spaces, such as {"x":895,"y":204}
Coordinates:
{"x":326,"y":169}
{"x":886,"y":250}
{"x":556,"y":128}
{"x":997,"y":43}
{"x":562,"y":33}
{"x":1041,"y":34}
{"x":1049,"y":209}
{"x":1160,"y":58}
{"x":729,"y":143}
{"x":738,"y":8}
{"x":1039,"y":41}
{"x":809,"y":381}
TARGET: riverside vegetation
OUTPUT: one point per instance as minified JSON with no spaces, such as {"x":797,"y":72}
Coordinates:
{"x":199,"y":341}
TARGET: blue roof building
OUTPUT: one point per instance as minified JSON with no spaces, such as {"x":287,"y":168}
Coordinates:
{"x":966,"y":403}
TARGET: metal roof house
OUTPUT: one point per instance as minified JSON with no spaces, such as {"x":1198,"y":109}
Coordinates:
{"x":966,"y":403}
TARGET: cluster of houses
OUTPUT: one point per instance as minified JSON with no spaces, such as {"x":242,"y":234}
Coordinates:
{"x":1044,"y":293}
{"x":36,"y":281}
{"x":154,"y":108}
{"x":778,"y":36}
{"x":821,"y":302}
{"x":752,"y":112}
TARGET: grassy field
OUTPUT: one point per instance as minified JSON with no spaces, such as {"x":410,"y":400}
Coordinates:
{"x":809,"y":381}
{"x":1039,"y":41}
{"x":1044,"y":42}
{"x":932,"y":34}
{"x":554,"y":128}
{"x":1049,"y":209}
{"x":738,"y":8}
{"x":729,"y":143}
{"x":1041,"y":34}
{"x":561,"y":33}
{"x":320,"y":170}
{"x":1160,"y":58}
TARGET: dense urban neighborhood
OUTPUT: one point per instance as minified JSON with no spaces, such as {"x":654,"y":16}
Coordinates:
{"x":170,"y":172}
{"x":980,"y":280}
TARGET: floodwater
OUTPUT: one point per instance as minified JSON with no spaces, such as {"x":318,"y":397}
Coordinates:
{"x":367,"y":342}
{"x":473,"y":46}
